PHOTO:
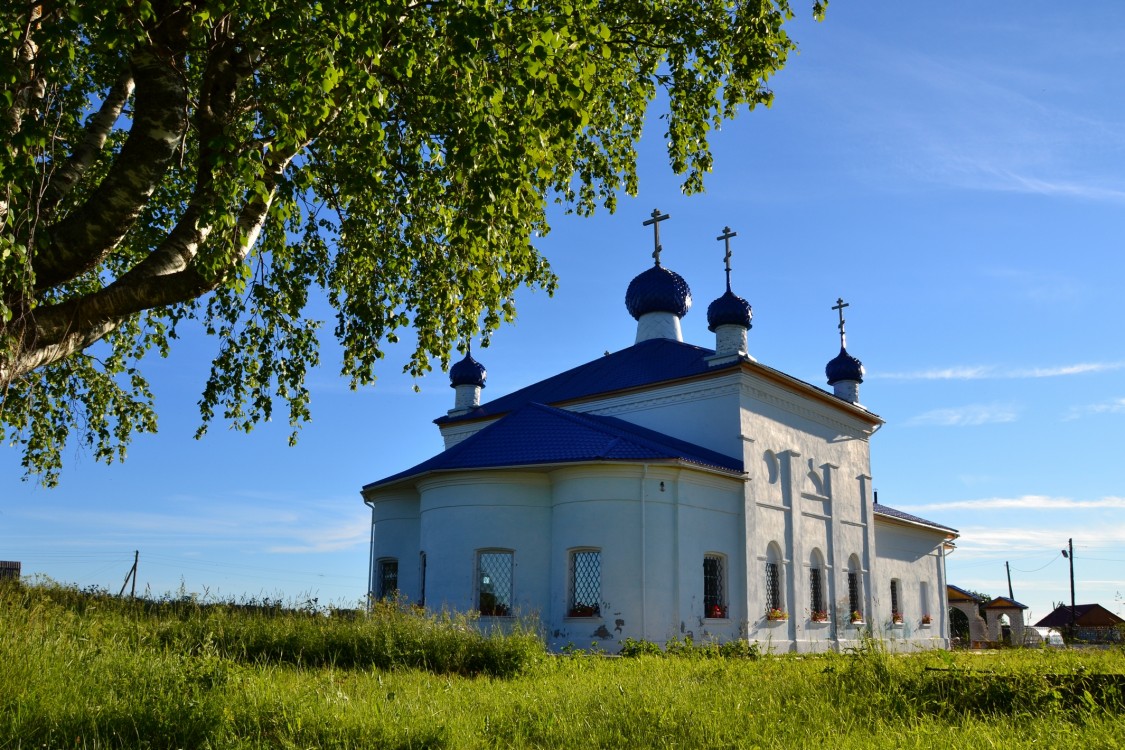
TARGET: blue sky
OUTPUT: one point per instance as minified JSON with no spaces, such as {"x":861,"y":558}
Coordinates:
{"x":957,"y":174}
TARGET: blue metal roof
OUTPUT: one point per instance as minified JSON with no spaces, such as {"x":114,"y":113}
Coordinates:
{"x":538,"y":434}
{"x":644,"y":363}
{"x":884,"y":510}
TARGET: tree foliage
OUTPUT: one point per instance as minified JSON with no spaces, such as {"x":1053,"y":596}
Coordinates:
{"x":217,"y":160}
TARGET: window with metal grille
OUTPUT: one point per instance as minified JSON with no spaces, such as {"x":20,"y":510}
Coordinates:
{"x":585,"y":583}
{"x":422,"y":575}
{"x":494,"y":583}
{"x":853,"y":595}
{"x":896,"y":612}
{"x":773,"y":587}
{"x":714,"y":587}
{"x":816,"y":593}
{"x":388,"y":579}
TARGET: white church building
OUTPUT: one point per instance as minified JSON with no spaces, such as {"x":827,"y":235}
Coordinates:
{"x":664,"y":490}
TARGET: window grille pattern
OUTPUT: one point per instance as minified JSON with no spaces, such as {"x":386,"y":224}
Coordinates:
{"x":816,"y":591}
{"x":585,"y":583}
{"x":388,"y":579}
{"x":714,"y":587}
{"x":494,"y":584}
{"x":773,"y":586}
{"x":853,"y":593}
{"x":422,"y":574}
{"x":896,"y":612}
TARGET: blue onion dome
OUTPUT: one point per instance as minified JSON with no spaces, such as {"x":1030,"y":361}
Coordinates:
{"x":730,"y":309}
{"x":658,"y":290}
{"x":467,"y":372}
{"x":844,"y":367}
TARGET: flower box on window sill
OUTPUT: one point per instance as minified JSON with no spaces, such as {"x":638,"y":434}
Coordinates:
{"x":856,"y":618}
{"x":776,"y":615}
{"x":926,"y":621}
{"x":584,"y":610}
{"x":818,"y":616}
{"x":716,"y":612}
{"x":896,"y":619}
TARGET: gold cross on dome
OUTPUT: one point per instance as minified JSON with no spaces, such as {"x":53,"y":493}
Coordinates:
{"x":657,"y":217}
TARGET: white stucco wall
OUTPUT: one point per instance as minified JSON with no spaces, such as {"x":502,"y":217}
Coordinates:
{"x":465,"y":513}
{"x":395,"y":527}
{"x":911,"y":556}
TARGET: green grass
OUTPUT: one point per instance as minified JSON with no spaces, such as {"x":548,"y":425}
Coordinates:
{"x":88,"y":670}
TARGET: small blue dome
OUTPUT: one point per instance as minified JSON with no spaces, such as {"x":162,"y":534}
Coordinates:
{"x":730,"y":309}
{"x":467,"y":372}
{"x":844,"y":367}
{"x":658,"y":290}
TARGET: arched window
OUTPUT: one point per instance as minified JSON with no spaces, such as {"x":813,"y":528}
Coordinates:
{"x":855,"y":590}
{"x":896,"y":602}
{"x":386,"y":580}
{"x":714,"y":586}
{"x":818,"y":607}
{"x":775,"y":585}
{"x":494,"y":582}
{"x":585,"y":583}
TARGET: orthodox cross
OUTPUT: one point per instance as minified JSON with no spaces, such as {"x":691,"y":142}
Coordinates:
{"x":657,"y":217}
{"x":839,"y":306}
{"x":725,"y":236}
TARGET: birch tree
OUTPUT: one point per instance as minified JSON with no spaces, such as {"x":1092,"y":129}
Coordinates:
{"x":214,"y":161}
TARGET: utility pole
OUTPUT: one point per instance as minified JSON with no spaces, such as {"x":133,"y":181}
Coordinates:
{"x":1070,"y":556}
{"x":131,"y":574}
{"x":1008,"y":568}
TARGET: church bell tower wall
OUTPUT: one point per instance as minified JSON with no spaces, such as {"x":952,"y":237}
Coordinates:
{"x":808,"y":469}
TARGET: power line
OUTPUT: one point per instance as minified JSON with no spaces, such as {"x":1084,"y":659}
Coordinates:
{"x":1054,"y":559}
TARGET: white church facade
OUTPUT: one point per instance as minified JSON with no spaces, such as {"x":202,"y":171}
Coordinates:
{"x":660,"y":491}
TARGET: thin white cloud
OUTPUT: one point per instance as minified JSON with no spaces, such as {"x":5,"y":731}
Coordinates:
{"x":1112,"y":406}
{"x":971,"y":372}
{"x":993,"y":372}
{"x":1016,"y":183}
{"x":326,"y":539}
{"x":979,"y":126}
{"x":984,"y":541}
{"x":965,"y":416}
{"x":1026,"y":502}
